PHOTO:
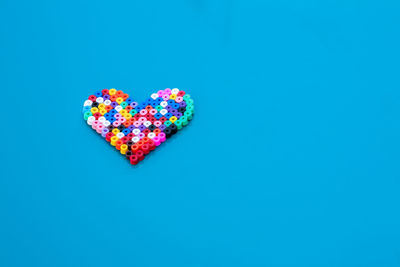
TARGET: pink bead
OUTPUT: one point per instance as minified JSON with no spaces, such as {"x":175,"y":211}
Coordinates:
{"x":157,"y":141}
{"x":142,"y":119}
{"x":153,"y":111}
{"x":157,"y":123}
{"x":162,"y":136}
{"x":178,"y":99}
{"x":165,"y":97}
{"x":143,"y":112}
{"x":141,"y":135}
{"x":137,"y":123}
{"x":167,"y":91}
{"x":99,"y":128}
{"x":116,"y":123}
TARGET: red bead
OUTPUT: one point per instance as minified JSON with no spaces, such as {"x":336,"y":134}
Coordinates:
{"x":97,"y":115}
{"x":108,"y":136}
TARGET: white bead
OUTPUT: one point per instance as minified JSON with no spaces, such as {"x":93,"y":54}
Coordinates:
{"x":147,"y":123}
{"x":175,"y":91}
{"x":107,"y":102}
{"x":136,"y":131}
{"x":90,"y":120}
{"x":118,"y":108}
{"x":107,"y":123}
{"x":154,"y":96}
{"x":120,"y":135}
{"x":164,"y":104}
{"x":102,"y":119}
{"x":88,"y":103}
{"x":99,"y":100}
{"x":135,"y":139}
{"x":151,"y":135}
{"x":163,"y":111}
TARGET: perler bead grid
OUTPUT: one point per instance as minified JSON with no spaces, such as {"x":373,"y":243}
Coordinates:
{"x":136,"y":129}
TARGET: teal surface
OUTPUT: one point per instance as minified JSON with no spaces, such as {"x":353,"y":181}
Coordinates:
{"x":292,"y":157}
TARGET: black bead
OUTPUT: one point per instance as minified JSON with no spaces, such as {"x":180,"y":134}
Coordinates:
{"x":95,"y":105}
{"x":121,"y":127}
{"x":152,"y":127}
{"x":173,"y":128}
{"x":167,"y":132}
{"x":181,"y":110}
{"x":129,"y":144}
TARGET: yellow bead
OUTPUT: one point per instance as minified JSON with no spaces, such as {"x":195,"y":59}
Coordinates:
{"x":102,"y":111}
{"x":173,"y":96}
{"x":128,"y":116}
{"x":124,"y":148}
{"x":94,"y":110}
{"x":123,"y":112}
{"x":114,"y":140}
{"x":115,"y":131}
{"x":173,"y":119}
{"x":102,"y":106}
{"x":112,"y":91}
{"x":119,"y":100}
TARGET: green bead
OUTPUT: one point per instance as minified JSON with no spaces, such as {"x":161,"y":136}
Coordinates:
{"x":124,"y":104}
{"x":184,"y":120}
{"x":190,"y":108}
{"x":87,"y":114}
{"x":189,"y":101}
{"x":186,"y":97}
{"x":178,"y":124}
{"x":158,"y":108}
{"x":167,"y":123}
{"x":133,"y":112}
{"x":188,"y":114}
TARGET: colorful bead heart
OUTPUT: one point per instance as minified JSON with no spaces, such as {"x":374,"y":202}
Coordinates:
{"x":136,"y":129}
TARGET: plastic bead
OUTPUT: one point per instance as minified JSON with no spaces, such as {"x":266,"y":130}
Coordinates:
{"x":136,"y":129}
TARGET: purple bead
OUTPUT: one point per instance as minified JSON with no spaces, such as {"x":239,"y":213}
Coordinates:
{"x":142,"y":127}
{"x":106,"y":97}
{"x":114,"y":104}
{"x":134,"y":104}
{"x":169,"y":108}
{"x":182,"y":104}
{"x":162,"y":127}
{"x":131,"y":127}
{"x":178,"y":115}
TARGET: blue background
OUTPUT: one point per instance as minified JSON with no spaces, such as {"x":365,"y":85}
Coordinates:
{"x":292,"y":158}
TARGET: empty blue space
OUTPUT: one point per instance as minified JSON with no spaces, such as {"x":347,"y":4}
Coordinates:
{"x":292,"y":157}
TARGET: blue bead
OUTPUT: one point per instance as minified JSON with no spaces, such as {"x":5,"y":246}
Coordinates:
{"x":129,"y":100}
{"x":126,"y":131}
{"x":98,"y":94}
{"x":168,"y":115}
{"x":158,"y":115}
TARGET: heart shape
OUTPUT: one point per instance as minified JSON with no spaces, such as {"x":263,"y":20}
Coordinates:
{"x":136,"y":129}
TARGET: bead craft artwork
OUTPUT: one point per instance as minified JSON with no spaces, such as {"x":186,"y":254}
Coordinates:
{"x":133,"y":128}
